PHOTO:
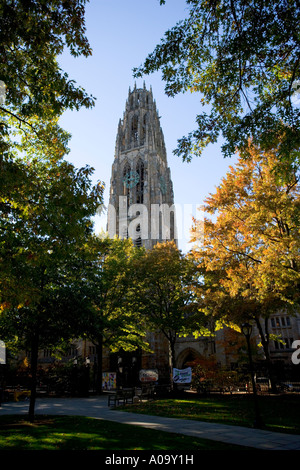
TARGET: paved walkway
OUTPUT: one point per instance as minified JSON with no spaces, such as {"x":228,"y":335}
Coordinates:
{"x":96,"y":407}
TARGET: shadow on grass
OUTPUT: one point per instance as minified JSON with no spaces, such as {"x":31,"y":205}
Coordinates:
{"x":279,"y":412}
{"x":81,"y":433}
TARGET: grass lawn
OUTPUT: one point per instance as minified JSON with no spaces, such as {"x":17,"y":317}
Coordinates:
{"x":279,"y":413}
{"x":79,"y":433}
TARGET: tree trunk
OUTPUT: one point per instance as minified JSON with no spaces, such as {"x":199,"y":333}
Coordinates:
{"x":173,"y":362}
{"x":173,"y":355}
{"x":34,"y":361}
{"x":265,"y":341}
{"x":99,"y":349}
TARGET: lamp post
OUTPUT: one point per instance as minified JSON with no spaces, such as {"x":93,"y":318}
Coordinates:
{"x":247,"y":330}
{"x":87,"y":364}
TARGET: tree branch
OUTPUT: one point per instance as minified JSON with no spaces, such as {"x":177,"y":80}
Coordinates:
{"x":21,"y":120}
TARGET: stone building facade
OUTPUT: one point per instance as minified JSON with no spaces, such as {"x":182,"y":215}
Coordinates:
{"x":227,"y":347}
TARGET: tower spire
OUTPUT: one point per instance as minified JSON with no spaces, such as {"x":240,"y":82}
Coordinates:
{"x":140,"y":171}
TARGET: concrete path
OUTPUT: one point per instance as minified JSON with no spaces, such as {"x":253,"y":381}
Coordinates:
{"x":96,"y":407}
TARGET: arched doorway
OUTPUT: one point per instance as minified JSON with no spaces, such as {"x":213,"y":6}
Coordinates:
{"x":187,"y":356}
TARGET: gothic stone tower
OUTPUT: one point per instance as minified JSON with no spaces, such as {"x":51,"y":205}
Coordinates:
{"x":141,"y":204}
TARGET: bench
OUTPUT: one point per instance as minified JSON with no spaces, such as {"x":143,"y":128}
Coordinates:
{"x":21,"y":393}
{"x":123,"y":396}
{"x":15,"y":393}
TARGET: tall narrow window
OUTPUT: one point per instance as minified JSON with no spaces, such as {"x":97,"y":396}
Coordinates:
{"x":138,"y":240}
{"x":140,"y":169}
{"x":134,"y":130}
{"x":143,"y":130}
{"x":124,"y":233}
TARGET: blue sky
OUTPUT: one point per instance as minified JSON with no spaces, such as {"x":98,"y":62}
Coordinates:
{"x":121,"y":34}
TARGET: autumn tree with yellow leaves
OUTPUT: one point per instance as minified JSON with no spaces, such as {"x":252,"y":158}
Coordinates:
{"x":250,"y":256}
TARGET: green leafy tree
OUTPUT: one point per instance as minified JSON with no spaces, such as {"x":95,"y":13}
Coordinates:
{"x":114,"y":322}
{"x":164,"y":293}
{"x":45,"y":203}
{"x":44,"y":250}
{"x":242,"y":58}
{"x":33,"y":35}
{"x":34,"y":90}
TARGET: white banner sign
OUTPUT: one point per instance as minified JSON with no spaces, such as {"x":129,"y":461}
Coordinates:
{"x":182,"y":376}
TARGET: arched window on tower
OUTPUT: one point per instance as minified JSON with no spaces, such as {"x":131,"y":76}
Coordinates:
{"x":140,"y":169}
{"x":138,"y":239}
{"x":143,"y":130}
{"x":124,"y":233}
{"x":134,"y":130}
